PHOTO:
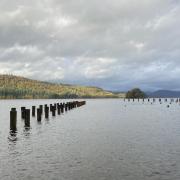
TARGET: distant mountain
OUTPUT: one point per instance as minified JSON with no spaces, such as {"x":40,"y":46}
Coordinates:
{"x":13,"y":87}
{"x":164,"y":94}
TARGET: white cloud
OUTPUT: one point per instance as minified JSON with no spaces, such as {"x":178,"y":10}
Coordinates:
{"x":115,"y":44}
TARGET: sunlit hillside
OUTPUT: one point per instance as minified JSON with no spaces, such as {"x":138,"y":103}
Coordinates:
{"x":20,"y":87}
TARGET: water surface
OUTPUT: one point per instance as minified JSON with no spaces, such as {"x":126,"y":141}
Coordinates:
{"x":104,"y":140}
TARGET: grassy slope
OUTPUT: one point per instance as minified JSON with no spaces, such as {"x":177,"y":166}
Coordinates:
{"x":20,"y":87}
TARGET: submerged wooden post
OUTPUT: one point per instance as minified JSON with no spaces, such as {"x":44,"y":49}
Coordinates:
{"x":13,"y":119}
{"x":55,"y":106}
{"x":45,"y":107}
{"x":59,"y":109}
{"x":41,"y":108}
{"x":66,"y":107}
{"x":23,"y":112}
{"x":62,"y":108}
{"x":69,"y":105}
{"x":33,"y":111}
{"x":51,"y":107}
{"x":27,"y":118}
{"x":38,"y":114}
{"x":47,"y":112}
{"x":53,"y":111}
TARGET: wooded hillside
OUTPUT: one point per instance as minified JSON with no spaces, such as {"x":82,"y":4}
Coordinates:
{"x":12,"y":87}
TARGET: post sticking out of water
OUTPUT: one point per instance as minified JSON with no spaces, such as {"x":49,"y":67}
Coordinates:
{"x":51,"y":107}
{"x":53,"y":111}
{"x":13,"y":119}
{"x":41,"y":108}
{"x":38,"y":114}
{"x":59,"y":109}
{"x":66,"y":107}
{"x":33,"y":111}
{"x":55,"y":106}
{"x":27,"y":118}
{"x":46,"y":112}
{"x":23,"y":112}
{"x":45,"y":107}
{"x":62,"y":108}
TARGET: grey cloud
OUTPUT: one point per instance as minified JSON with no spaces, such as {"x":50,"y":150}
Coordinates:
{"x":114,"y":44}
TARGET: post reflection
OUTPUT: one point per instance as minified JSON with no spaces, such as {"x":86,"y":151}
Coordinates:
{"x":12,"y":135}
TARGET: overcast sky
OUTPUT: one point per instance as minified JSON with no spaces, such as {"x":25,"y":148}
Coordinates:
{"x":113,"y":44}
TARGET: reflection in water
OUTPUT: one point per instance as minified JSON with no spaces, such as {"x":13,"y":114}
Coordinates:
{"x":27,"y":132}
{"x":12,"y":135}
{"x":39,"y":122}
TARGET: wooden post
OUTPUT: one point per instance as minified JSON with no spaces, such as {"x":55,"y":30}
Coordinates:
{"x":59,"y":109}
{"x":27,"y":118}
{"x":47,"y":112}
{"x":51,"y":107}
{"x":33,"y":111}
{"x":53,"y":111}
{"x":41,"y":108}
{"x":39,"y":114}
{"x":66,"y":107}
{"x":62,"y":108}
{"x":55,"y":106}
{"x":13,"y":119}
{"x":23,"y":112}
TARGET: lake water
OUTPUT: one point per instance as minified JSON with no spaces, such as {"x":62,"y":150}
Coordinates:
{"x":106,"y":139}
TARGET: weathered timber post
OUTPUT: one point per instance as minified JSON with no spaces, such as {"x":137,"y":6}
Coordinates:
{"x":51,"y":107}
{"x":39,"y":114}
{"x":13,"y":119}
{"x":33,"y":111}
{"x":41,"y":108}
{"x":45,"y":107}
{"x":23,"y":112}
{"x":27,"y":118}
{"x":55,"y":106}
{"x":66,"y":107}
{"x":59,"y":109}
{"x":47,"y":112}
{"x":53,"y":111}
{"x":62,"y":108}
